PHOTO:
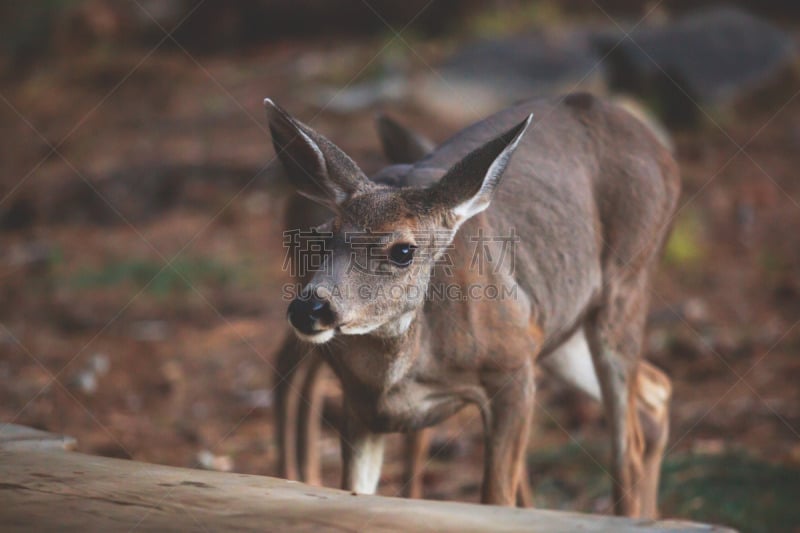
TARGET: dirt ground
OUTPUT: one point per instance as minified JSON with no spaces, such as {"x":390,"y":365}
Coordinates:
{"x":140,"y":276}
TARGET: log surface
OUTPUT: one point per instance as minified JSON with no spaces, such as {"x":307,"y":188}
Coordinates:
{"x":45,"y":487}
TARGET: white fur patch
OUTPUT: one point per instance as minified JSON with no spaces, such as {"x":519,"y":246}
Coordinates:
{"x":655,"y":395}
{"x":572,"y":363}
{"x":393,"y":328}
{"x":367,"y":463}
{"x":397,"y":327}
{"x":318,"y":338}
{"x":358,"y":330}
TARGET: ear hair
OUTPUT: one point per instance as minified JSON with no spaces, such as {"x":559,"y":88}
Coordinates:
{"x":468,"y":187}
{"x":318,"y":169}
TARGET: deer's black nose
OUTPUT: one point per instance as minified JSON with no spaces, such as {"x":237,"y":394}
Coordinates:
{"x":310,"y":314}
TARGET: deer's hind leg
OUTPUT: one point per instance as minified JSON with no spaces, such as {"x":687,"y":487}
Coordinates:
{"x":572,"y":364}
{"x":635,"y":396}
{"x":653,"y":392}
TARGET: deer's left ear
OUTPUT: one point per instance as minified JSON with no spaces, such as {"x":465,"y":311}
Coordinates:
{"x":468,"y":187}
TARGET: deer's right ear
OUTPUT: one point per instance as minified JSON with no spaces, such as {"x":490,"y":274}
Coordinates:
{"x":319,"y":169}
{"x":401,"y":145}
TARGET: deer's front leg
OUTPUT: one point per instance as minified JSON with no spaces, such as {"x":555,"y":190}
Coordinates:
{"x":362,"y":455}
{"x":507,"y":428}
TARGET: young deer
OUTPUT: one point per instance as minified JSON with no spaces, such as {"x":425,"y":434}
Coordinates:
{"x":588,"y":191}
{"x":299,"y":387}
{"x":299,"y":383}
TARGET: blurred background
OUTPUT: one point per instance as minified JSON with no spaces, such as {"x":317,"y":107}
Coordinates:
{"x":141,"y":219}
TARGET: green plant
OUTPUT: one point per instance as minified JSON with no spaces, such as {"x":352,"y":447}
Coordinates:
{"x":158,"y":278}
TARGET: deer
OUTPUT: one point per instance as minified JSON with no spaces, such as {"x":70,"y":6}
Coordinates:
{"x":586,"y":193}
{"x":298,"y":384}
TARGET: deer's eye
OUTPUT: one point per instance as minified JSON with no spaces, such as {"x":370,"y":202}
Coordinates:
{"x":401,"y":254}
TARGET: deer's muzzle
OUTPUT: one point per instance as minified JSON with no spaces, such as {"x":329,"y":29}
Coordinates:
{"x":310,"y":315}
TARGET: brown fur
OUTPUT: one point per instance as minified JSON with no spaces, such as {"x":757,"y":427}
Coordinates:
{"x":590,"y":192}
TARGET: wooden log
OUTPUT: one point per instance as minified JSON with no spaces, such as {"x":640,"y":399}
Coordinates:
{"x":13,"y":436}
{"x":45,"y":488}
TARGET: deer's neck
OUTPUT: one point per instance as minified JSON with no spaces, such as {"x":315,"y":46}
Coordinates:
{"x":378,"y":360}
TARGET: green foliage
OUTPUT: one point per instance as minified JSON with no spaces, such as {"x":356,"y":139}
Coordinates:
{"x":733,"y":489}
{"x":157,"y":277}
{"x":685,"y":246}
{"x":522,"y":16}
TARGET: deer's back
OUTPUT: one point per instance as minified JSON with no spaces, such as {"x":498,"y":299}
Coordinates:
{"x":589,"y":191}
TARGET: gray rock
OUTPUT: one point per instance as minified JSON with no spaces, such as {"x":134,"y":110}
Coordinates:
{"x":487,"y":75}
{"x":711,"y":57}
{"x":361,"y":96}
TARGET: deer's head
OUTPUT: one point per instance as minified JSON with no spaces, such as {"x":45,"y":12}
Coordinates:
{"x":380,"y":247}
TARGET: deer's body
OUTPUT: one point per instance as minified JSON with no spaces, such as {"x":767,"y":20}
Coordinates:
{"x":589,"y":193}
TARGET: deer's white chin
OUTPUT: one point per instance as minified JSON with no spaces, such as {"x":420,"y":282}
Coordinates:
{"x":317,"y":338}
{"x":358,"y":330}
{"x":393,"y":328}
